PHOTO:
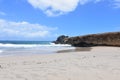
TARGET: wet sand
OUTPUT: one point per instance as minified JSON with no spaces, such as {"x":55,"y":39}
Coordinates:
{"x":77,"y":49}
{"x":95,"y":63}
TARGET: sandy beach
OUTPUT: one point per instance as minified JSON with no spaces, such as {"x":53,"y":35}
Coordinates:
{"x":98,"y":63}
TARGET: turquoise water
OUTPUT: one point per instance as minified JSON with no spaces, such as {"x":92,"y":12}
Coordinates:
{"x":25,"y":42}
{"x":11,"y":48}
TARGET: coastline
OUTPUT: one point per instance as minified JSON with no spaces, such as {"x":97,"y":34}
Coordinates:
{"x":100,"y":63}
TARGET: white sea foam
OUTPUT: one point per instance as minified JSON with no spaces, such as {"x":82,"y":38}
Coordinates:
{"x":53,"y":44}
{"x":28,"y":49}
{"x":1,"y":51}
{"x":32,"y":45}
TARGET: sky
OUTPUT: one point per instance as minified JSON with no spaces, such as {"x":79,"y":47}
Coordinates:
{"x":47,"y":19}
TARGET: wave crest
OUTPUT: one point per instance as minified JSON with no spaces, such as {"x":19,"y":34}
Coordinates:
{"x":33,"y":45}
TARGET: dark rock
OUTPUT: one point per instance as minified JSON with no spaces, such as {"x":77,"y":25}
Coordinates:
{"x":83,"y":44}
{"x":61,"y":40}
{"x":104,"y":39}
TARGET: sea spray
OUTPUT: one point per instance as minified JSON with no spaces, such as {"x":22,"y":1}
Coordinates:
{"x":30,"y":47}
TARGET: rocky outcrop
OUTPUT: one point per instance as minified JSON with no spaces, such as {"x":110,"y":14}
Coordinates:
{"x":104,"y":39}
{"x":61,"y":39}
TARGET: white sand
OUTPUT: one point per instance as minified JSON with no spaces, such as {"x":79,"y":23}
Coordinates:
{"x":101,"y":63}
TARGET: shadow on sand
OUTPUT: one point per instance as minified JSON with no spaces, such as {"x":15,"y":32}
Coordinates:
{"x":77,"y":49}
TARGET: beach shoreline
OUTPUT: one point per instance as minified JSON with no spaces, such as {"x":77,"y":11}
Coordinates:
{"x":95,"y":63}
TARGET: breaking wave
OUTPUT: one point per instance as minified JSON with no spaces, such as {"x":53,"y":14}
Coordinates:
{"x":32,"y":45}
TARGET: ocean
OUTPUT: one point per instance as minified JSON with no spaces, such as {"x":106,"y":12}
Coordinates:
{"x":20,"y":48}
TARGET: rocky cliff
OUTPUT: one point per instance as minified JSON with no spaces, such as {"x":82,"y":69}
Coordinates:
{"x":61,"y":40}
{"x":104,"y":39}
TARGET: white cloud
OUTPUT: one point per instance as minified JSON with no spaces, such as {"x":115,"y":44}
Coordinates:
{"x":2,"y":13}
{"x":54,"y":7}
{"x":116,"y":3}
{"x":24,"y":29}
{"x":58,"y":7}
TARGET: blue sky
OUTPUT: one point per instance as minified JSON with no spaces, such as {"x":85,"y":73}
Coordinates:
{"x":47,"y":19}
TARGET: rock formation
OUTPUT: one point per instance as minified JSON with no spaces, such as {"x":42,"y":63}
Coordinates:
{"x":104,"y":39}
{"x":61,"y":39}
